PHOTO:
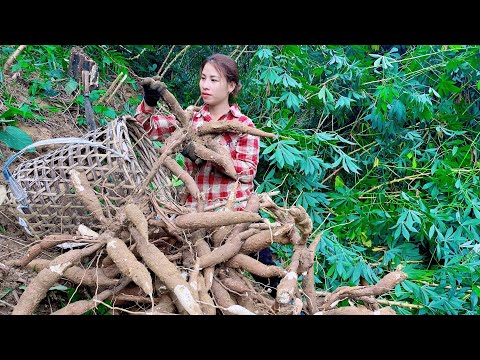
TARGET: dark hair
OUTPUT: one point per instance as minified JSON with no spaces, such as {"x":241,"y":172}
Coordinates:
{"x":227,"y":67}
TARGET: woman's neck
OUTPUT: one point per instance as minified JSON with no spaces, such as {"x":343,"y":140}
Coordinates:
{"x":218,"y":110}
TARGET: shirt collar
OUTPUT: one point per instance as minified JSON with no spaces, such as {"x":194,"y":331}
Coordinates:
{"x":234,"y":110}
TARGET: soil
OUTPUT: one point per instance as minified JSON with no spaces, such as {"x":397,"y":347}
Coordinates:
{"x":13,"y":241}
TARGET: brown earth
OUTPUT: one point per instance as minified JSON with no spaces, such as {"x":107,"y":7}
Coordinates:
{"x":13,"y":241}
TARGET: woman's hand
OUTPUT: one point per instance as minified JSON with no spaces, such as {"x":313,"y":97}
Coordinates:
{"x":152,"y":89}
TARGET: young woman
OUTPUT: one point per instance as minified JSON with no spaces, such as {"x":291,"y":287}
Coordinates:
{"x":219,"y":84}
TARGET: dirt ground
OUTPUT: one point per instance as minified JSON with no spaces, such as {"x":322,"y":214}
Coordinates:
{"x":14,"y":243}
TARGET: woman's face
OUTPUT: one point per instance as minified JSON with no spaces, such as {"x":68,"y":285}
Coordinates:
{"x":214,"y":86}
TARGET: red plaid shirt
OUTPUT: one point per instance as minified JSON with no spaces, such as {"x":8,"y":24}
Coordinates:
{"x":244,"y":149}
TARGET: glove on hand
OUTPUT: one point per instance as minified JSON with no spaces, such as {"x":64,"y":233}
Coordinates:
{"x":152,"y":89}
{"x":188,"y":151}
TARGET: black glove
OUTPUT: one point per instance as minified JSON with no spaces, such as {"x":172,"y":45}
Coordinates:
{"x":188,"y":151}
{"x":152,"y":89}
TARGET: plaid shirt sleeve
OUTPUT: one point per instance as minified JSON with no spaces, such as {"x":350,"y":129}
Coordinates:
{"x":246,"y":157}
{"x":158,"y":127}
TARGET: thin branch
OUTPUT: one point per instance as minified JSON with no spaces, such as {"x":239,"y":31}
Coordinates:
{"x":174,"y":59}
{"x":164,"y":61}
{"x":12,"y":57}
{"x":396,"y":303}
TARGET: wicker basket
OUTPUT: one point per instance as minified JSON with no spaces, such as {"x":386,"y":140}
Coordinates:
{"x":53,"y":205}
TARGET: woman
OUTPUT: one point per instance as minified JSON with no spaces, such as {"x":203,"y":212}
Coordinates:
{"x":219,"y":84}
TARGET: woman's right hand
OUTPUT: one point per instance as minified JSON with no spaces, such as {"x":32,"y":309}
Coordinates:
{"x":152,"y":90}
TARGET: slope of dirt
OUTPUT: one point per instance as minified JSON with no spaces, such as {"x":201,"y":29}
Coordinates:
{"x":13,"y":242}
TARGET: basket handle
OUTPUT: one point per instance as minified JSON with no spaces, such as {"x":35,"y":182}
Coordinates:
{"x":18,"y":192}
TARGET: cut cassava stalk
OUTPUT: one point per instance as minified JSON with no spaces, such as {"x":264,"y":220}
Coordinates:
{"x":47,"y":242}
{"x":194,"y":221}
{"x":175,"y":139}
{"x":224,"y":126}
{"x":308,"y":280}
{"x":288,"y":285}
{"x":385,"y":284}
{"x":167,"y":273}
{"x":206,"y":302}
{"x":38,"y":287}
{"x":89,"y":277}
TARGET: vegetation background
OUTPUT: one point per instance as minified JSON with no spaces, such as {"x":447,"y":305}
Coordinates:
{"x":378,"y":143}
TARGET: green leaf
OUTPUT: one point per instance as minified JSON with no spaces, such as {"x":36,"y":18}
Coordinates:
{"x":290,"y":123}
{"x":13,"y":111}
{"x":473,"y":222}
{"x":15,"y":138}
{"x":331,"y":271}
{"x":321,"y":93}
{"x":180,"y":160}
{"x":476,"y":289}
{"x":356,"y":273}
{"x":110,"y":113}
{"x":264,"y":53}
{"x":329,"y":95}
{"x":6,"y":291}
{"x":176,"y":181}
{"x":398,"y":111}
{"x":71,"y":86}
{"x":405,"y":232}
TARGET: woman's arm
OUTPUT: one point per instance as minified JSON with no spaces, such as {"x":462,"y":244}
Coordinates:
{"x":246,"y":156}
{"x":158,"y":127}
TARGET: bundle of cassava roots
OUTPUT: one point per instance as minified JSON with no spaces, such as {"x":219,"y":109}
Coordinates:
{"x":157,"y":257}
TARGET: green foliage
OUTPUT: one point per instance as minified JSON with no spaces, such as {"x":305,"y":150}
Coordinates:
{"x":379,"y":144}
{"x":15,"y":138}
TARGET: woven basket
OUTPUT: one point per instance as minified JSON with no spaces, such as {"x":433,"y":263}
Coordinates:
{"x":54,"y":207}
